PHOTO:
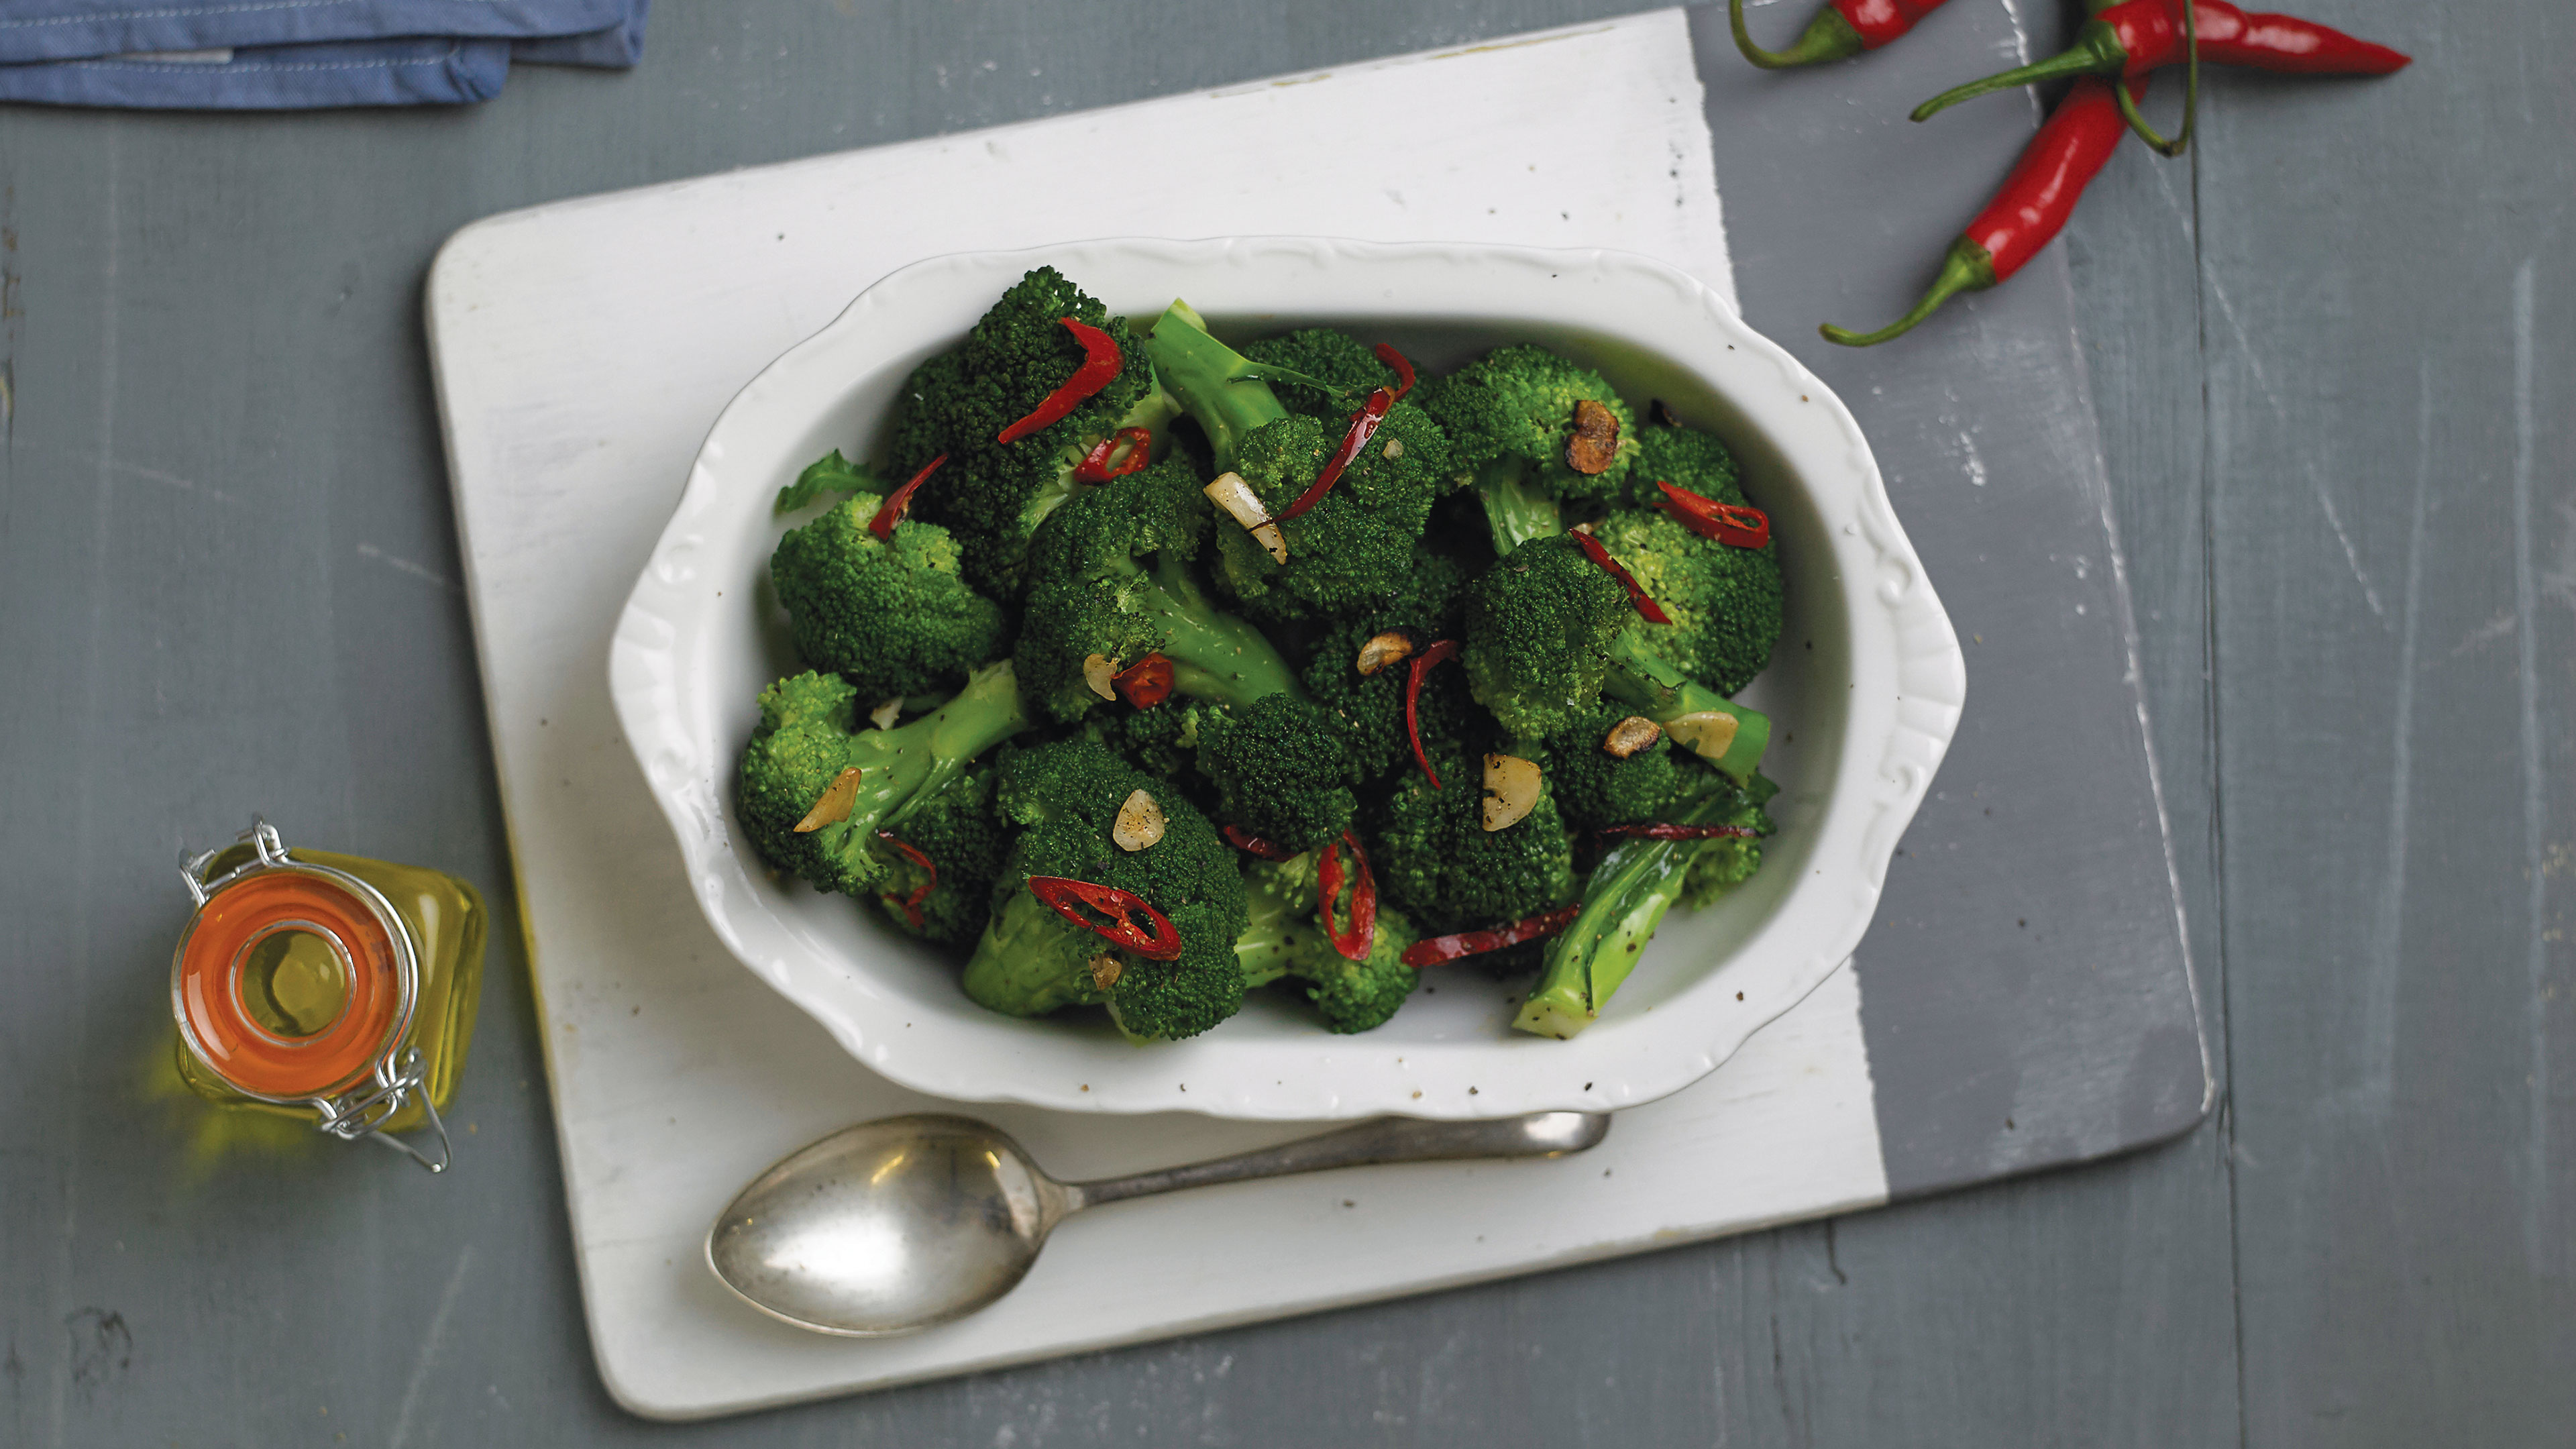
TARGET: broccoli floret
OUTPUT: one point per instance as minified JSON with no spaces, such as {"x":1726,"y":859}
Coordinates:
{"x":891,"y":616}
{"x":966,"y":842}
{"x":1368,"y":709}
{"x":991,"y":494}
{"x":1109,"y":579}
{"x":1625,"y":900}
{"x":1724,"y":601}
{"x":1548,"y":631}
{"x":1509,"y":416}
{"x":1539,"y":626}
{"x":1349,"y":547}
{"x":804,"y":746}
{"x":1596,"y":788}
{"x":1277,"y":764}
{"x":1280,"y":769}
{"x":1349,"y":550}
{"x":1032,"y":960}
{"x":1286,"y":939}
{"x":1335,"y":356}
{"x":1435,"y":859}
{"x":1686,"y":458}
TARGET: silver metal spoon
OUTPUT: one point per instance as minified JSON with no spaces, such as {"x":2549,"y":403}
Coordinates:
{"x":899,"y":1224}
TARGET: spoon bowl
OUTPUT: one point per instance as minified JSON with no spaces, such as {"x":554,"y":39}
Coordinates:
{"x":907,"y":1222}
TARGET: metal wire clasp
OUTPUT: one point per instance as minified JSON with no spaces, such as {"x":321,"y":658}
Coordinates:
{"x":363,"y":1110}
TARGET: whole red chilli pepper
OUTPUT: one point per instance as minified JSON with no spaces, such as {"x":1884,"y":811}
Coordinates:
{"x":1843,"y":28}
{"x":2139,"y":36}
{"x":2027,"y":210}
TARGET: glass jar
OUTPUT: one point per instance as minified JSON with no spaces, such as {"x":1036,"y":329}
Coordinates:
{"x":328,"y":988}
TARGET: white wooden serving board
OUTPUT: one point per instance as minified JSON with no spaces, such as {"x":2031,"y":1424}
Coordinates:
{"x":581,"y":351}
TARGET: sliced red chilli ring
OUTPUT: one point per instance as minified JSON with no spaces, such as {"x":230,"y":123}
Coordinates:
{"x":899,"y":502}
{"x":1476,"y":943}
{"x":1122,"y":918}
{"x":1251,"y":844}
{"x":1684,"y":832}
{"x":1740,"y":525}
{"x":1422,"y":663}
{"x":1363,"y":427}
{"x":1593,"y":550}
{"x":1100,"y":363}
{"x":911,"y":905}
{"x":1359,"y":937}
{"x":1387,"y":354}
{"x":1096,"y":466}
{"x":1145,"y":683}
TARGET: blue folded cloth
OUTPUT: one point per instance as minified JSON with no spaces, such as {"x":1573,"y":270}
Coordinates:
{"x":298,"y":54}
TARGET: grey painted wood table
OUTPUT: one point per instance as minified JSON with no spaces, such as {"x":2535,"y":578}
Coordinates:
{"x":2330,"y":357}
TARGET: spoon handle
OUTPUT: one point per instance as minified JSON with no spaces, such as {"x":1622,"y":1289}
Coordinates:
{"x":1387,"y":1139}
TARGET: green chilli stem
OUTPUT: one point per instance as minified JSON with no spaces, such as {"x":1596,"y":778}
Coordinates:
{"x":1829,"y":37}
{"x":2097,"y":52}
{"x":2190,"y":93}
{"x":1968,"y":268}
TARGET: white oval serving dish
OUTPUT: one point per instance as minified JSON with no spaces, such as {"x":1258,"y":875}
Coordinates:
{"x":1865,"y":689}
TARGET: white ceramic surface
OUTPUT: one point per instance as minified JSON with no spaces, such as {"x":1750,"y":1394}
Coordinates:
{"x":1865,"y":690}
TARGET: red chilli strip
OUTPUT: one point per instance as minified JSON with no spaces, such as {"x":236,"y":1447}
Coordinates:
{"x":1736,"y":524}
{"x":1422,"y":663}
{"x":899,"y":502}
{"x":1251,"y":844}
{"x":1360,"y":938}
{"x":1100,"y":363}
{"x":1593,"y":550}
{"x":911,"y":904}
{"x":1145,"y":683}
{"x":1476,"y":943}
{"x":1095,"y":466}
{"x":1363,"y":426}
{"x":1684,"y":832}
{"x":1387,"y":354}
{"x":1131,"y":922}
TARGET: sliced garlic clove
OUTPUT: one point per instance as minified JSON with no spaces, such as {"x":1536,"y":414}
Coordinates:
{"x":1394,"y":448}
{"x":1105,"y":971}
{"x":884,"y":715}
{"x":1139,"y":824}
{"x":1097,"y":672}
{"x":1706,"y":733}
{"x":1241,"y":504}
{"x":835,"y":805}
{"x":1630,"y":735}
{"x":1383,"y":650}
{"x":1511,"y":790}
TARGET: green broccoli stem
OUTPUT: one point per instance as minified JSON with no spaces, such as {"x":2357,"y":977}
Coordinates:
{"x":1644,"y":679}
{"x":1023,"y":964}
{"x":1215,"y":656}
{"x":1264,"y":950}
{"x":903,"y":768}
{"x":1515,"y":509}
{"x":1636,"y":882}
{"x":1215,"y":384}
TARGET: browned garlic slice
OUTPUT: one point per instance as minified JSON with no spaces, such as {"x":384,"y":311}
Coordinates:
{"x":1097,"y":672}
{"x":1511,"y":790}
{"x":1595,"y":444}
{"x":1705,"y":733}
{"x":1383,"y":650}
{"x":1140,"y":822}
{"x":835,"y":805}
{"x":1105,"y":971}
{"x":1236,"y":497}
{"x":1630,"y":735}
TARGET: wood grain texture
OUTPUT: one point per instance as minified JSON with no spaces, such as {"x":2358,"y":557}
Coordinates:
{"x":2393,"y":506}
{"x":223,"y":536}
